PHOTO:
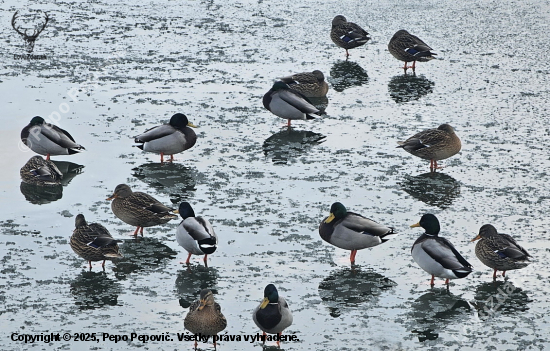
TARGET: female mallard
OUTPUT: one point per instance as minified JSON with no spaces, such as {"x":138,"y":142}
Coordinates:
{"x":41,"y":172}
{"x":309,"y":84}
{"x":168,"y":139}
{"x":288,"y":104}
{"x":48,"y":139}
{"x":205,"y":316}
{"x":351,"y":231}
{"x":347,"y":35}
{"x":93,"y":242}
{"x":139,"y":209}
{"x":499,"y":251}
{"x":407,"y":47}
{"x":437,"y":255}
{"x":433,"y":144}
{"x":195,"y":234}
{"x":272,"y":315}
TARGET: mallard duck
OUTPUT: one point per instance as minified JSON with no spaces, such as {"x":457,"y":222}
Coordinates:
{"x":139,"y":209}
{"x":351,"y":231}
{"x":195,"y":234}
{"x":436,"y":255}
{"x":433,"y":144}
{"x":347,"y":35}
{"x":407,"y":47}
{"x":205,"y":316}
{"x":288,"y":104}
{"x":41,"y":172}
{"x":309,"y":84}
{"x":48,"y":139}
{"x":499,"y":251}
{"x":93,"y":242}
{"x":168,"y":139}
{"x":272,"y":315}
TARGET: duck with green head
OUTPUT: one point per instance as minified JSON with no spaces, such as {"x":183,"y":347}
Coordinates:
{"x":352,"y":231}
{"x":272,"y":315}
{"x":499,"y":251}
{"x":436,"y":255}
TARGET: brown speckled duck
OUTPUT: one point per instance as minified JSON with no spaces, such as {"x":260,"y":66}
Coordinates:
{"x":139,"y":209}
{"x":205,"y":316}
{"x":40,"y":172}
{"x":499,"y":251}
{"x":347,"y":35}
{"x":407,"y":47}
{"x":433,"y":144}
{"x":93,"y":242}
{"x":309,"y":84}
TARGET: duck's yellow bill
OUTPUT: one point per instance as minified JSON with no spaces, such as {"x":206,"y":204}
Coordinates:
{"x":330,"y":218}
{"x":416,"y":225}
{"x":192,"y":125}
{"x":264,"y":303}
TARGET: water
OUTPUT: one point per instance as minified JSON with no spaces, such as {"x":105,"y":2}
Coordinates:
{"x":114,"y":70}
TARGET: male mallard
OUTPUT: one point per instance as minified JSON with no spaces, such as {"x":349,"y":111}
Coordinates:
{"x":288,"y":104}
{"x":407,"y":47}
{"x":205,"y":316}
{"x":48,"y":139}
{"x":195,"y":234}
{"x":309,"y":84}
{"x":499,"y":251}
{"x":139,"y":209}
{"x":93,"y":242}
{"x":436,"y":255}
{"x":41,"y":172}
{"x":351,"y":231}
{"x":347,"y":35}
{"x":168,"y":139}
{"x":272,"y":315}
{"x":433,"y":144}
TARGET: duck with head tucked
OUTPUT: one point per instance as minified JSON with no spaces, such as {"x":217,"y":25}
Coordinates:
{"x":168,"y":139}
{"x":93,"y":242}
{"x":205,"y":316}
{"x":139,"y":209}
{"x":499,"y":251}
{"x":407,"y":47}
{"x":347,"y":35}
{"x":195,"y":233}
{"x":351,"y":231}
{"x":436,"y":255}
{"x":41,"y":172}
{"x":48,"y":139}
{"x":272,"y":315}
{"x":433,"y":144}
{"x":288,"y":104}
{"x":309,"y":84}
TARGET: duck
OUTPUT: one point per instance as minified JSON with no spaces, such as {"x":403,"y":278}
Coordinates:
{"x":168,"y":139}
{"x":433,"y":144}
{"x":139,"y":209}
{"x":352,"y":231}
{"x":48,"y":139}
{"x":347,"y":35}
{"x":272,"y":315}
{"x":205,"y":317}
{"x":41,"y":172}
{"x":407,"y":47}
{"x":286,"y":103}
{"x":93,"y":242}
{"x":309,"y":84}
{"x":499,"y":251}
{"x":195,"y":233}
{"x":436,"y":255}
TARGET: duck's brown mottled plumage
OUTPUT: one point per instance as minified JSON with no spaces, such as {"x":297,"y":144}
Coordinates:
{"x":309,"y":84}
{"x":40,"y":172}
{"x":409,"y":48}
{"x":205,"y":316}
{"x":347,"y":35}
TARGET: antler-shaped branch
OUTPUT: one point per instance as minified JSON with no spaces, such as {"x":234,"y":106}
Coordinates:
{"x":30,"y":39}
{"x":13,"y":24}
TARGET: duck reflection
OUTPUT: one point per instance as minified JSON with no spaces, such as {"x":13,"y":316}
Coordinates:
{"x":93,"y":290}
{"x":500,"y":297}
{"x":405,"y":88}
{"x":142,"y":254}
{"x":348,"y":288}
{"x":432,"y":311}
{"x":42,"y":180}
{"x":192,"y":279}
{"x":434,"y":189}
{"x":289,"y":144}
{"x":168,"y":178}
{"x":346,"y":74}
